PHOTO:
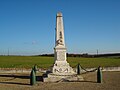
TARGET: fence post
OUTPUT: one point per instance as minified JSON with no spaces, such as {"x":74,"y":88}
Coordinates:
{"x":32,"y":78}
{"x":78,"y":69}
{"x":35,"y":68}
{"x":99,"y":75}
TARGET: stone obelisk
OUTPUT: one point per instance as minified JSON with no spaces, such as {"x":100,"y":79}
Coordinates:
{"x":61,"y":68}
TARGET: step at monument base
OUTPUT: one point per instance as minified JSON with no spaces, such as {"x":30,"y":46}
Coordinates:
{"x":62,"y":78}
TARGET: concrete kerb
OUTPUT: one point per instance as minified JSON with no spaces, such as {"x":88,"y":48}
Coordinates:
{"x":18,"y":70}
{"x":23,"y":70}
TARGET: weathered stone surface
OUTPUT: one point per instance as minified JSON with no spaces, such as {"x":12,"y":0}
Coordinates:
{"x":61,"y":68}
{"x":62,"y":78}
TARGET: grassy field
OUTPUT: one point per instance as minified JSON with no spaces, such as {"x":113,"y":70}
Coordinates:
{"x":46,"y":62}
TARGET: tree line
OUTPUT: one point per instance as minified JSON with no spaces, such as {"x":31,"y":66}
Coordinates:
{"x":86,"y":55}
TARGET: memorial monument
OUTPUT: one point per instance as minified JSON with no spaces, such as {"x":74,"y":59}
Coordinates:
{"x":61,"y":69}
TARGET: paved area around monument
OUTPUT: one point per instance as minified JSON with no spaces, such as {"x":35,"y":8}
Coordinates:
{"x":111,"y":81}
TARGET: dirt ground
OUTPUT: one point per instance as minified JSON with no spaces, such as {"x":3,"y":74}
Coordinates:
{"x":111,"y":81}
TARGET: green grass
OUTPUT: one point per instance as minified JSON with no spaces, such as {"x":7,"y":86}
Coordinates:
{"x":46,"y":62}
{"x":25,"y":61}
{"x":94,"y":62}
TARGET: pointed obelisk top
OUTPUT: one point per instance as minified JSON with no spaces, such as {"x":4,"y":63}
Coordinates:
{"x":59,"y":31}
{"x":59,"y":14}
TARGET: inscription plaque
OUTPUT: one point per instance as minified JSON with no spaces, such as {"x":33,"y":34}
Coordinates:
{"x":61,"y":55}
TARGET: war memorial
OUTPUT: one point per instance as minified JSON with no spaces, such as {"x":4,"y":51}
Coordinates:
{"x":61,"y":69}
{"x":61,"y":75}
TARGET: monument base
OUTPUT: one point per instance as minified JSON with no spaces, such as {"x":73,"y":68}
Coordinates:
{"x":61,"y":72}
{"x":50,"y":77}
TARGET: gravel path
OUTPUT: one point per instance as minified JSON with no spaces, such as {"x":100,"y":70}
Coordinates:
{"x":111,"y":81}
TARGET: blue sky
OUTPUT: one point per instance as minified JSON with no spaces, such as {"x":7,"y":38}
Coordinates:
{"x":27,"y":27}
